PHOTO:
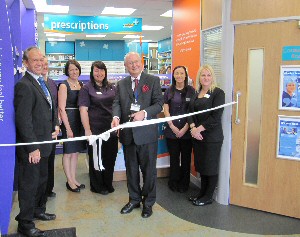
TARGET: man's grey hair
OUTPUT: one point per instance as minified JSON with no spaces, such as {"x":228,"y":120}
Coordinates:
{"x":130,"y":53}
{"x":26,"y":52}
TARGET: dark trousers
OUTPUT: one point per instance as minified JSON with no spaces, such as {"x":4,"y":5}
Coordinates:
{"x":32,"y":190}
{"x":102,"y":180}
{"x":208,"y":185}
{"x":50,"y":182}
{"x":141,"y":157}
{"x":180,"y":162}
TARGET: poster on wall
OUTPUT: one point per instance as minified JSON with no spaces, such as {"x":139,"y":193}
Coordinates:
{"x":289,"y":98}
{"x":288,"y":146}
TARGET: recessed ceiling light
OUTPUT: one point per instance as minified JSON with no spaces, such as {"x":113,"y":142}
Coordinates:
{"x":117,"y":11}
{"x":41,"y":6}
{"x":55,"y":39}
{"x":95,"y":36}
{"x":142,"y":41}
{"x":55,"y":34}
{"x":167,"y":14}
{"x":146,"y":27}
{"x":132,"y":36}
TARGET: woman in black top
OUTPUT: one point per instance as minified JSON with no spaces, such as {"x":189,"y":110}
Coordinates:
{"x":207,"y":133}
{"x":176,"y":102}
{"x":71,"y":123}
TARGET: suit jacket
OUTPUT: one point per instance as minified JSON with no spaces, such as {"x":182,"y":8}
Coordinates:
{"x":35,"y":120}
{"x":149,"y":98}
{"x":210,"y":120}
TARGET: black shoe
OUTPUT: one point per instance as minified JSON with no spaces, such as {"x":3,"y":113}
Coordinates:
{"x":129,"y":207}
{"x":196,"y":196}
{"x":45,"y":216}
{"x":111,"y":189}
{"x":75,"y":190}
{"x":103,"y":192}
{"x":34,"y":232}
{"x":81,"y":186}
{"x":147,"y":211}
{"x":51,"y":195}
{"x":202,"y":202}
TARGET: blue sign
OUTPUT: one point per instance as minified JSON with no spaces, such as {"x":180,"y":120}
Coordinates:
{"x":7,"y":135}
{"x":162,"y":149}
{"x":291,"y":53}
{"x":91,"y":24}
{"x":289,"y":138}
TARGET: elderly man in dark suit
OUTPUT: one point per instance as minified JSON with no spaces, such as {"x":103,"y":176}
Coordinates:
{"x":36,"y":120}
{"x":139,"y":97}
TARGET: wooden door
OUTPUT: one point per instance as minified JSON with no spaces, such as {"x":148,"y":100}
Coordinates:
{"x":277,"y":187}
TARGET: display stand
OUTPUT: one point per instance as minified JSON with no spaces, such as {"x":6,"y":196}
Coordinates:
{"x":152,"y":58}
{"x":57,"y":64}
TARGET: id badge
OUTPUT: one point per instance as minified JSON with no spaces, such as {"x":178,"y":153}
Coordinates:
{"x":135,"y":107}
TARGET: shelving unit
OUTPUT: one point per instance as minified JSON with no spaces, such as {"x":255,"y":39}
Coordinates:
{"x":57,"y":64}
{"x":112,"y":67}
{"x":164,"y":59}
{"x":152,"y":58}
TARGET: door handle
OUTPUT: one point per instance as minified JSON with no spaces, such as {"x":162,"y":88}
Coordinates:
{"x":237,"y":119}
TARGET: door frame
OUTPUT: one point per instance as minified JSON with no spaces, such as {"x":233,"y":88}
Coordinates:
{"x":226,"y":83}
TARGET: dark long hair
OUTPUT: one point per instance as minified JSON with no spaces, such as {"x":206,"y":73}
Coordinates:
{"x":74,"y":62}
{"x":173,"y":86}
{"x":99,"y":65}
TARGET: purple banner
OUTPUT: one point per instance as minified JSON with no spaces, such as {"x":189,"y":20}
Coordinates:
{"x":7,"y":127}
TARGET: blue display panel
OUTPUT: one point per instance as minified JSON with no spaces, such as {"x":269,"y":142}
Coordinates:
{"x":104,"y":50}
{"x":60,"y":47}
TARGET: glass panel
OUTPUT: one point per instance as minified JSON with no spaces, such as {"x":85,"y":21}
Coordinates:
{"x":211,"y":50}
{"x":254,"y":112}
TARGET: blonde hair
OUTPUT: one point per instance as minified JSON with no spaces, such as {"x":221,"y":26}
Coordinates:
{"x":213,"y":75}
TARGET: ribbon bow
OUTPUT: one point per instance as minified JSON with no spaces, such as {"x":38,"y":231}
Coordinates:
{"x":93,"y":141}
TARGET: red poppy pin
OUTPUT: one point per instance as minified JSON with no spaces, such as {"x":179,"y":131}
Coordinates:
{"x":145,"y":88}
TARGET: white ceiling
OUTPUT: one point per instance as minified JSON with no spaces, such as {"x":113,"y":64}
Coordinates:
{"x":148,"y":10}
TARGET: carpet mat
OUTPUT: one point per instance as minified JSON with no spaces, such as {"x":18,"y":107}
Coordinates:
{"x":66,"y":232}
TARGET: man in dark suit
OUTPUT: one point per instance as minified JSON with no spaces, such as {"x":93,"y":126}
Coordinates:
{"x":36,"y":120}
{"x":139,"y":97}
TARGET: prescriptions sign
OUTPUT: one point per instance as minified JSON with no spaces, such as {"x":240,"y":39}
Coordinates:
{"x":69,"y":24}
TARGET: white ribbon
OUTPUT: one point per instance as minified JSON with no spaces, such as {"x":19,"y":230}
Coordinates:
{"x":98,"y":158}
{"x":105,"y":136}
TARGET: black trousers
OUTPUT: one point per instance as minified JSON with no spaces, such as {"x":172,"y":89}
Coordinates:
{"x":141,"y":157}
{"x":50,"y":182}
{"x":102,"y":180}
{"x":32,"y":190}
{"x":208,"y":186}
{"x":180,"y":162}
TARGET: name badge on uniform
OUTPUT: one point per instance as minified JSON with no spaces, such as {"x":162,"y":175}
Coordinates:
{"x":206,"y":96}
{"x":135,"y":107}
{"x":98,"y":92}
{"x":187,"y":99}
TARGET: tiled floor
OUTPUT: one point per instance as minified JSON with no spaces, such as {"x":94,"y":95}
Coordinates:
{"x":97,"y":215}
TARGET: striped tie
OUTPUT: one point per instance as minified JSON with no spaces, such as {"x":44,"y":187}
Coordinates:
{"x":46,"y":92}
{"x":136,"y":84}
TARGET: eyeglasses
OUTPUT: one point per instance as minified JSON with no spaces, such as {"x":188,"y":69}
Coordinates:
{"x":133,"y":62}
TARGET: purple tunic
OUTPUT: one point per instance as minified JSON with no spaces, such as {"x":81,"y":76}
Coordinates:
{"x":178,"y":104}
{"x":99,"y":103}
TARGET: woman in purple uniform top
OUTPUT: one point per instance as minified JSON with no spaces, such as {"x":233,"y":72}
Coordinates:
{"x":95,"y":105}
